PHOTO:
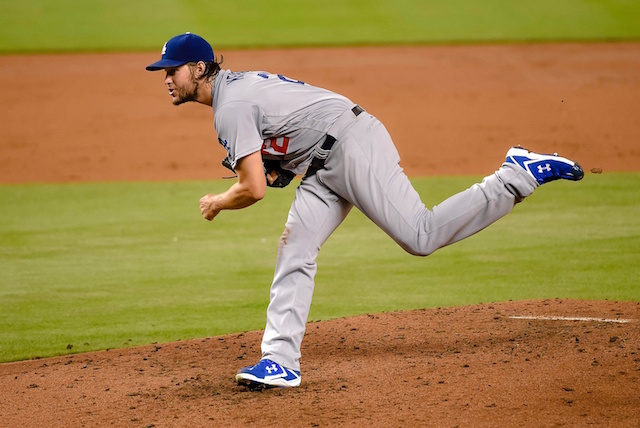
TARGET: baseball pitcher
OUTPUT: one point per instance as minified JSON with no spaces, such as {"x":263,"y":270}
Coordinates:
{"x":273,"y":128}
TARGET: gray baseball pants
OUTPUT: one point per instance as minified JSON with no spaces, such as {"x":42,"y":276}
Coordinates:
{"x":362,"y":170}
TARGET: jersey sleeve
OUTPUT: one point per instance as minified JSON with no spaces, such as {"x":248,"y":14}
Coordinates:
{"x":238,"y":128}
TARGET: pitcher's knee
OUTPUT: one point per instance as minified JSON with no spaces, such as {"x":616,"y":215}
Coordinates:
{"x":416,"y":249}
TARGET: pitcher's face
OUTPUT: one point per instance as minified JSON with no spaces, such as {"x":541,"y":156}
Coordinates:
{"x":182,"y":85}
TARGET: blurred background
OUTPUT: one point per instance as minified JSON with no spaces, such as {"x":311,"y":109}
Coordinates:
{"x":100,"y":25}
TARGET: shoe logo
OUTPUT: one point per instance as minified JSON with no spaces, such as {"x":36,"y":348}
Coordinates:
{"x":271,"y":369}
{"x":541,"y":168}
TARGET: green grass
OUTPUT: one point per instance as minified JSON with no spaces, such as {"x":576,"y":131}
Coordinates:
{"x":97,"y":25}
{"x":108,"y":265}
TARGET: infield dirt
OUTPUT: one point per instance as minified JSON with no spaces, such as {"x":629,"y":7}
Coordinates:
{"x":451,"y":110}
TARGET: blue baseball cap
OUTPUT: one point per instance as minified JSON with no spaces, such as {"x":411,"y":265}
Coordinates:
{"x":183,"y":49}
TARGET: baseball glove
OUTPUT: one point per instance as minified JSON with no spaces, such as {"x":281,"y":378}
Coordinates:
{"x":275,"y":175}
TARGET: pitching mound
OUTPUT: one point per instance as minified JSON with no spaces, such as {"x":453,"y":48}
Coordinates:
{"x":537,"y":363}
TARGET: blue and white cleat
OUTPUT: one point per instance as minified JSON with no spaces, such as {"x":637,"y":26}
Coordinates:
{"x":544,"y":168}
{"x":267,"y":374}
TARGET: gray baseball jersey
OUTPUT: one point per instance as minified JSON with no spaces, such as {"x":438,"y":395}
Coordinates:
{"x":282,"y":118}
{"x":286,"y":120}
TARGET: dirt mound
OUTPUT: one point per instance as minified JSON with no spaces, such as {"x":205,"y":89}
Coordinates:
{"x":567,"y":362}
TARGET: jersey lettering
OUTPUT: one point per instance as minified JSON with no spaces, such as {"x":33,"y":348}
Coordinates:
{"x":233,"y":76}
{"x":277,"y":145}
{"x":285,"y":79}
{"x":281,"y":77}
{"x":225,"y":144}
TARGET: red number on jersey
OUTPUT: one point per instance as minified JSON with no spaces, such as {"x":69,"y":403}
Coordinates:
{"x":278,"y":145}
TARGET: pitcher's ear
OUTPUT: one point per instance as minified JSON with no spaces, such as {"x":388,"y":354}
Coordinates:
{"x":201,"y":68}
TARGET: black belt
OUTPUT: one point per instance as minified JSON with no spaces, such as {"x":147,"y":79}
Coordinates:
{"x":318,"y":163}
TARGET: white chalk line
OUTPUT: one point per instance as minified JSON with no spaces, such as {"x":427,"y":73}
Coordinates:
{"x":543,"y":318}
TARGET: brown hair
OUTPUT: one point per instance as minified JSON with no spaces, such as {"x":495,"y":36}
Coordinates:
{"x":211,"y":68}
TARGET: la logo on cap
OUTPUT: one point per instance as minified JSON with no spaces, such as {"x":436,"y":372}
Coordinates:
{"x":164,"y":49}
